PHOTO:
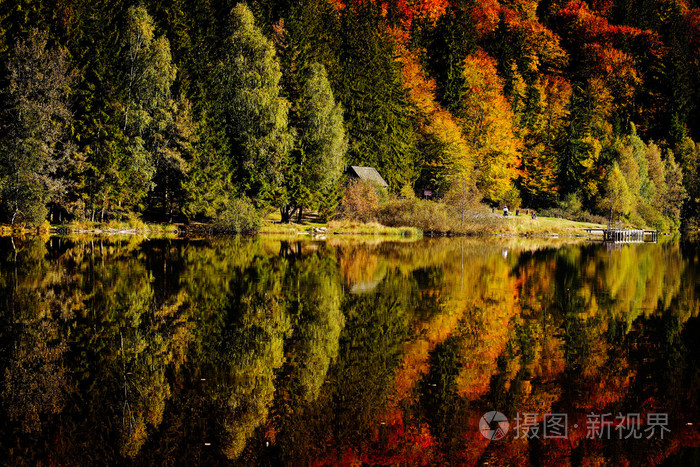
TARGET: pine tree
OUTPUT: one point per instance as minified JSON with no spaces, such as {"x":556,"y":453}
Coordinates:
{"x":450,"y":41}
{"x":94,"y":38}
{"x":317,"y":164}
{"x":378,"y":115}
{"x":175,"y":154}
{"x":582,"y":160}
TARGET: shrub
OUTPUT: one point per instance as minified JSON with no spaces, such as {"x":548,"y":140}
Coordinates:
{"x":571,"y":206}
{"x":425,"y":215}
{"x":240,"y":216}
{"x":360,"y":201}
{"x":461,"y":212}
{"x":407,"y":192}
{"x":593,"y":218}
{"x":464,"y":198}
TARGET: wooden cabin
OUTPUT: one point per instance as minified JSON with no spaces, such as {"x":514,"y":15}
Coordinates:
{"x":366,"y":173}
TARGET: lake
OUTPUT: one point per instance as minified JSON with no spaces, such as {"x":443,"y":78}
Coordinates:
{"x":274,"y":351}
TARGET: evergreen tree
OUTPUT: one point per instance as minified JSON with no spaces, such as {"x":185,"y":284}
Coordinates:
{"x":175,"y":154}
{"x":450,"y":41}
{"x":689,"y":158}
{"x":582,"y":159}
{"x":94,"y":38}
{"x":317,"y":164}
{"x":378,"y":116}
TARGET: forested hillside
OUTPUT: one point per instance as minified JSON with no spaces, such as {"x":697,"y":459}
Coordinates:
{"x":179,"y":110}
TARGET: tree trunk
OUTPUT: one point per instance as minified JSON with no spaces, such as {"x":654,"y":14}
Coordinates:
{"x":301,"y":211}
{"x":287,"y":212}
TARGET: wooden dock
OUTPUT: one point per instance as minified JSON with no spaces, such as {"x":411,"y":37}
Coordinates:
{"x":626,"y":235}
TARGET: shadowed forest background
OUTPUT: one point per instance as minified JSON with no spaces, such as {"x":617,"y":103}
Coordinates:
{"x":189,"y":110}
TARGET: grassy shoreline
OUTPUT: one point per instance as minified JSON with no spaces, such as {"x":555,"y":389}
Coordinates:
{"x":520,"y":226}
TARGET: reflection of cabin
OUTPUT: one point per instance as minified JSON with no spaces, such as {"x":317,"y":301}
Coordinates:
{"x":366,"y":173}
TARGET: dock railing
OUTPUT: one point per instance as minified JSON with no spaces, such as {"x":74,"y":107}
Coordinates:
{"x":619,"y":235}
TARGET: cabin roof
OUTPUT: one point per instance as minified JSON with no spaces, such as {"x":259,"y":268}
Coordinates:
{"x":367,"y":173}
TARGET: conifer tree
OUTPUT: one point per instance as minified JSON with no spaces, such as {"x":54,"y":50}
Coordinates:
{"x":378,"y":115}
{"x":581,"y":161}
{"x":316,"y":165}
{"x":688,"y":152}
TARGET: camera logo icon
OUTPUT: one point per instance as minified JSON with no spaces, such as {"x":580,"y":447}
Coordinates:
{"x":493,"y":425}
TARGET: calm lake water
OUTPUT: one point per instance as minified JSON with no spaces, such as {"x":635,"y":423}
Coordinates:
{"x":268,"y":352}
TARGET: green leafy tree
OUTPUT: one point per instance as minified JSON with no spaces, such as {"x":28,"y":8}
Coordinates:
{"x":689,"y":157}
{"x":675,"y":193}
{"x":148,"y":115}
{"x":618,"y":199}
{"x":34,"y":148}
{"x":256,"y":114}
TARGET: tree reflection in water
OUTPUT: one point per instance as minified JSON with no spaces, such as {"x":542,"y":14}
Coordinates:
{"x":255,"y":350}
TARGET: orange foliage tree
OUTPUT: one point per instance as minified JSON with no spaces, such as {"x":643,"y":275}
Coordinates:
{"x":488,"y":123}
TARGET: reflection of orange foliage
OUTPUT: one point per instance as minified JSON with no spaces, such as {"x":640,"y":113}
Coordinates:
{"x":358,"y":264}
{"x":417,"y":352}
{"x":605,"y":380}
{"x":487,"y":326}
{"x":689,"y":436}
{"x":481,"y":319}
{"x":393,"y":443}
{"x":474,"y":442}
{"x":481,"y":304}
{"x":692,"y":20}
